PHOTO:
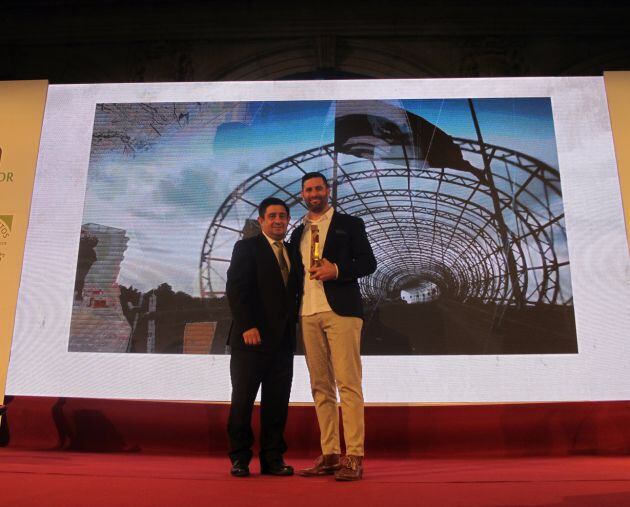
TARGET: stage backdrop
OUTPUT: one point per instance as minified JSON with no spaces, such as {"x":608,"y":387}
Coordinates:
{"x":493,"y":207}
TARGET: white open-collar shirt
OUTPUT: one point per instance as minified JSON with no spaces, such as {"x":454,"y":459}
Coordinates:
{"x":314,"y":298}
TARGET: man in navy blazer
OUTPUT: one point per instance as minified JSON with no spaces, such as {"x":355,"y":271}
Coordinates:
{"x":262,"y":293}
{"x":332,"y":252}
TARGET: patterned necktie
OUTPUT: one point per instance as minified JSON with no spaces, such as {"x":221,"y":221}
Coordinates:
{"x":284,"y":269}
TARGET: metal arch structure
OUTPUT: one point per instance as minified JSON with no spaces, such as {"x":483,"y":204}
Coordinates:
{"x":498,"y":240}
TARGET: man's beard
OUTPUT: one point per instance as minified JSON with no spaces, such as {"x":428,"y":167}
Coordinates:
{"x":319,"y":207}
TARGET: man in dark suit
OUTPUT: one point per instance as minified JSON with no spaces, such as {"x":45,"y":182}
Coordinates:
{"x":332,"y":252}
{"x":262,"y":293}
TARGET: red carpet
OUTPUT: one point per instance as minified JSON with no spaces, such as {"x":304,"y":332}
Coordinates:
{"x":152,"y":454}
{"x":68,"y":479}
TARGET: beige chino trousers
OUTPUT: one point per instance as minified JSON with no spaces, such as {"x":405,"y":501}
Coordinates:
{"x":332,"y":346}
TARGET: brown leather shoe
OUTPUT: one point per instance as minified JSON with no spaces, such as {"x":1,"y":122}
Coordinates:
{"x":351,"y":469}
{"x":326,"y":464}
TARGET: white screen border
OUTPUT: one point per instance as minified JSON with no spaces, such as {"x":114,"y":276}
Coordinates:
{"x":42,"y":366}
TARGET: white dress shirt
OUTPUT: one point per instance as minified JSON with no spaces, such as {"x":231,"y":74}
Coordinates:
{"x":284,"y":250}
{"x":314,"y":298}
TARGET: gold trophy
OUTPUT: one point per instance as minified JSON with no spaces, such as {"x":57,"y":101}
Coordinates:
{"x":316,"y":256}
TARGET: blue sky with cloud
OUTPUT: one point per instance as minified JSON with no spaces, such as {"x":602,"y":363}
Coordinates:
{"x":166,"y":194}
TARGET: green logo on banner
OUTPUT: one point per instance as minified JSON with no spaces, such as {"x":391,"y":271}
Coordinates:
{"x":8,"y":221}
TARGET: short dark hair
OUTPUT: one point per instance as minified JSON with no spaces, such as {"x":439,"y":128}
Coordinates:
{"x":310,"y":176}
{"x":271,"y":201}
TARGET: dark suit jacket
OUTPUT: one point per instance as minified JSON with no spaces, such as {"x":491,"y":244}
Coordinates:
{"x":347,"y":246}
{"x":258,"y":297}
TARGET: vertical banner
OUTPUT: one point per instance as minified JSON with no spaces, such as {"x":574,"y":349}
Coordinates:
{"x":21,"y":113}
{"x":618,"y":95}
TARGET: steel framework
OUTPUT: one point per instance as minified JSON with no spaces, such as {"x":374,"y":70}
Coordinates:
{"x":499,"y":239}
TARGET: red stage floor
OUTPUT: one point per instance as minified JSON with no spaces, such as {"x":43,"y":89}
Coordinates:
{"x":68,"y":479}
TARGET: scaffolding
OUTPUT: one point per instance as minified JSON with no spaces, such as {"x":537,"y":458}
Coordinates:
{"x":499,"y":238}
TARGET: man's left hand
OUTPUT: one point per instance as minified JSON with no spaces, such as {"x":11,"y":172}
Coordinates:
{"x":324,"y":272}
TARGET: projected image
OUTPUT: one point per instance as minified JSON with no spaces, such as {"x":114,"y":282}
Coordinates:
{"x":461,"y":199}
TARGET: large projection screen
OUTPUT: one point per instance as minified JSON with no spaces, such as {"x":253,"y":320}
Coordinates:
{"x":493,"y":207}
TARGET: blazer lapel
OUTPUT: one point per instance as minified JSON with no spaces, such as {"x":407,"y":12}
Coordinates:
{"x":329,"y":244}
{"x":291,"y":261}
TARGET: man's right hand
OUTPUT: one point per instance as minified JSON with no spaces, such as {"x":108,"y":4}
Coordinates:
{"x":252,"y":336}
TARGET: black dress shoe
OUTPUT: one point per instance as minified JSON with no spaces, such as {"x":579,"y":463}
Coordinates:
{"x":239,"y":469}
{"x":280,"y":468}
